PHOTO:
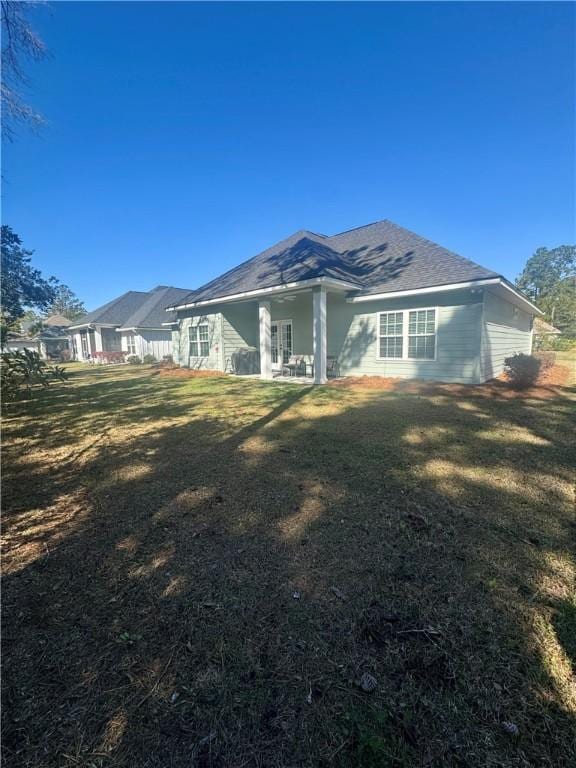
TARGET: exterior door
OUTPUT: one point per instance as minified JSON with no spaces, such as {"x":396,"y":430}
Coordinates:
{"x":282,"y":343}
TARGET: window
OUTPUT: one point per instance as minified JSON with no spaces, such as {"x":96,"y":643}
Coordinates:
{"x":198,"y":337}
{"x":391,"y":335}
{"x":131,"y":344}
{"x":407,"y":335}
{"x":422,"y":334}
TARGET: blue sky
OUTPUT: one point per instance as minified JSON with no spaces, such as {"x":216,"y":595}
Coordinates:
{"x":184,"y":138}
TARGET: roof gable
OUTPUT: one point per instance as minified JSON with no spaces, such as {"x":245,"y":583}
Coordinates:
{"x":136,"y":309}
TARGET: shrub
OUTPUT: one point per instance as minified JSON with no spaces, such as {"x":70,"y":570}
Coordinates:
{"x":133,"y":360}
{"x":167,"y":359}
{"x":554,"y":343}
{"x":24,"y":370}
{"x":521,"y":370}
{"x":148,"y":359}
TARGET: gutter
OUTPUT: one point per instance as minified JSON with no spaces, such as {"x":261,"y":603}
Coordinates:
{"x":272,"y":290}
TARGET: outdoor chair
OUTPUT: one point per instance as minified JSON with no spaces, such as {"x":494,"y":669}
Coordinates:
{"x":294,"y":365}
{"x":331,"y":366}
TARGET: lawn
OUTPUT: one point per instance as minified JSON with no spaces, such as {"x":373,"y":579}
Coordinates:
{"x":209,"y":572}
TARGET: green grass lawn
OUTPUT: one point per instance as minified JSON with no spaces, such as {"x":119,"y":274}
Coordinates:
{"x":200,"y":572}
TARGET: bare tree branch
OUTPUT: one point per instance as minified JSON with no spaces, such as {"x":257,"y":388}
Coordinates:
{"x":19,"y":43}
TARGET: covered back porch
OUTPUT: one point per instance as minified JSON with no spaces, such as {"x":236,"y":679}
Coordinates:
{"x":292,"y":333}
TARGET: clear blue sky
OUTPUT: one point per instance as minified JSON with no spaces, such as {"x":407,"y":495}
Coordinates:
{"x":184,"y":138}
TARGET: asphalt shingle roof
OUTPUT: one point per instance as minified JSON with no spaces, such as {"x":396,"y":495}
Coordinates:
{"x":378,"y":258}
{"x":152,"y":312}
{"x":137,"y":309}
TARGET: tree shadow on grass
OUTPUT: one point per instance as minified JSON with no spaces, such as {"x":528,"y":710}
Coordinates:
{"x":211,"y":590}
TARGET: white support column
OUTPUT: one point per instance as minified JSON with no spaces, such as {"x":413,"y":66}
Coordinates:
{"x":98,"y":338}
{"x":319,"y":304}
{"x":265,"y":340}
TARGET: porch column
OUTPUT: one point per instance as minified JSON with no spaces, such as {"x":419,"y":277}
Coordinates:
{"x":98,"y":338}
{"x":319,"y":305}
{"x":265,"y":340}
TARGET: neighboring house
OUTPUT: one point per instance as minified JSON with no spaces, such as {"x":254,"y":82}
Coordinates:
{"x":376,"y":300}
{"x":544,"y":330}
{"x":51,"y":341}
{"x":16,"y":342}
{"x":134,"y":323}
{"x":54,"y":338}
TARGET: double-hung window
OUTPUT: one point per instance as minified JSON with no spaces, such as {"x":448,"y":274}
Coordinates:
{"x":422,"y":334}
{"x":199,"y":343}
{"x":408,"y":334}
{"x":131,"y":344}
{"x":391,"y":335}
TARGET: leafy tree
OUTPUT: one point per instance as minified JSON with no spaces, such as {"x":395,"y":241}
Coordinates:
{"x":66,"y":303}
{"x":23,"y":286}
{"x":19,"y":42}
{"x":549,"y":279}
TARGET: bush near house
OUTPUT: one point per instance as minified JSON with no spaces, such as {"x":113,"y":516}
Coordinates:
{"x":133,"y":360}
{"x":522,"y":370}
{"x":149,"y":359}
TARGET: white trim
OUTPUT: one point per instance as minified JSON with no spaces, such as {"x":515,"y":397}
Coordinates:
{"x":91,"y":325}
{"x":279,"y":365}
{"x":138,"y":328}
{"x":328,"y":282}
{"x":406,"y":335}
{"x":441,"y":288}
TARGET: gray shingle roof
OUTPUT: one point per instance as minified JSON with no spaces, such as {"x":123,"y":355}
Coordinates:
{"x":378,"y":258}
{"x":152,"y":312}
{"x":137,"y":309}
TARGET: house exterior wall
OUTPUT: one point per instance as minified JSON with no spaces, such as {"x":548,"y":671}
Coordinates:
{"x":506,"y":329}
{"x":230,"y":327}
{"x":157,"y":343}
{"x":214,"y":360}
{"x":353,"y":337}
{"x":300,"y":311}
{"x":475,"y":331}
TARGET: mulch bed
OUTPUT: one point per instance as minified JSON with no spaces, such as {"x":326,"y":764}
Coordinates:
{"x":549,"y":385}
{"x":187,"y":373}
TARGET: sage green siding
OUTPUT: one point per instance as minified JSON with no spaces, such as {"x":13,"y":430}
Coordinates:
{"x":239,"y":328}
{"x":353,"y":337}
{"x":181,"y":350}
{"x":230,"y":327}
{"x":475,"y":332}
{"x":299,"y":310}
{"x":506,"y":329}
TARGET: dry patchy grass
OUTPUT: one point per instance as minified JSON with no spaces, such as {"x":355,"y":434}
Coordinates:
{"x":198,"y":572}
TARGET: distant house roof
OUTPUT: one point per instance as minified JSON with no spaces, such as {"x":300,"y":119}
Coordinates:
{"x":58,"y":321}
{"x":544,"y":328}
{"x":152,"y":312}
{"x":374,"y":259}
{"x":135,"y":309}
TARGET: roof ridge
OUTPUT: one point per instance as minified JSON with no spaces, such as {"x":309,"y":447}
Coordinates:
{"x":362,"y":226}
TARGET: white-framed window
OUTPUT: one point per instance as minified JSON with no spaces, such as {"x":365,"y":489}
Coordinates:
{"x":198,"y":338}
{"x":408,"y":334}
{"x":422,"y":334}
{"x":130,"y":343}
{"x":391,"y":335}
